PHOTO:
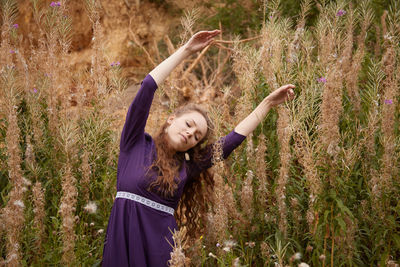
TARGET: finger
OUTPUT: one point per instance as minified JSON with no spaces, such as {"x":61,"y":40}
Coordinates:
{"x":208,"y":33}
{"x":290,"y":94}
{"x":286,"y":87}
{"x":289,"y":86}
{"x":213,"y":34}
{"x":201,"y":34}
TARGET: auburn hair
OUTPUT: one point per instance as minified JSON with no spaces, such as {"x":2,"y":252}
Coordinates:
{"x":192,"y":205}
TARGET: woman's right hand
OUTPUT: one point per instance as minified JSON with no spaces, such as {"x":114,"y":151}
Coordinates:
{"x":280,"y":95}
{"x":200,"y":40}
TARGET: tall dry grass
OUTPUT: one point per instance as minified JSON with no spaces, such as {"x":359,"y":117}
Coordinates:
{"x":316,"y":182}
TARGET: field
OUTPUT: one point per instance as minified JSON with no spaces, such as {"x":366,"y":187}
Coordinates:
{"x":317,"y":183}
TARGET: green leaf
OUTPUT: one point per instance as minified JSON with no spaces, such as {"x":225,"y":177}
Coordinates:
{"x":341,"y":223}
{"x":343,"y":208}
{"x":396,"y":239}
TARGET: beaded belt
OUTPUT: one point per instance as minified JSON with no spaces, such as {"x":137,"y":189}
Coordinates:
{"x":145,"y":201}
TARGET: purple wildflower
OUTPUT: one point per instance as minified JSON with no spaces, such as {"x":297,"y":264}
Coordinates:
{"x":12,"y":51}
{"x":340,"y":13}
{"x":15,"y":26}
{"x":35,"y":90}
{"x":114,"y":64}
{"x":322,"y":80}
{"x":53,"y":4}
{"x":388,"y":101}
{"x":218,"y":244}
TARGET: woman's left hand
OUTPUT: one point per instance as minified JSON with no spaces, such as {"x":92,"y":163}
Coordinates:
{"x":281,"y":95}
{"x":200,"y":40}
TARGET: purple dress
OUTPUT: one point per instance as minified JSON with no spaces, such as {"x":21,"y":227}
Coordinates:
{"x":136,"y":234}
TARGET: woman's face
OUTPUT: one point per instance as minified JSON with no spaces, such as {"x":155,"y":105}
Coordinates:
{"x":186,"y":131}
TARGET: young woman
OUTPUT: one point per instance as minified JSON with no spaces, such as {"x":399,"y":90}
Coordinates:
{"x":154,"y":174}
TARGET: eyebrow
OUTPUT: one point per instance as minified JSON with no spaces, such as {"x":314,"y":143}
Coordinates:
{"x":196,"y":126}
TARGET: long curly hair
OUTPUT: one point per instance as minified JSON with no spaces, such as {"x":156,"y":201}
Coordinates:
{"x":192,"y":205}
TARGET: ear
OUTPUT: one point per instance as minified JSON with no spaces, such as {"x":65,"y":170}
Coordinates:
{"x":171,"y":119}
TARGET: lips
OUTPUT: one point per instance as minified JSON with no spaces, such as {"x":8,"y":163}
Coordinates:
{"x":184,"y":138}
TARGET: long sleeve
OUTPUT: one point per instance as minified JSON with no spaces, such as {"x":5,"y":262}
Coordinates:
{"x":138,"y":113}
{"x":228,"y":142}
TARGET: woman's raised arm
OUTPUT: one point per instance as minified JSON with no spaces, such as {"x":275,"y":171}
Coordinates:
{"x":246,"y":126}
{"x":196,"y":43}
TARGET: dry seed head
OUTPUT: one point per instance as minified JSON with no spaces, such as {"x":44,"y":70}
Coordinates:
{"x":246,"y":62}
{"x":261,"y":171}
{"x":86,"y":173}
{"x":91,"y":207}
{"x":246,"y":195}
{"x":331,"y":109}
{"x":284,"y":134}
{"x":178,"y":258}
{"x":39,"y":211}
{"x":231,"y":203}
{"x":13,"y":212}
{"x":67,"y":211}
{"x":220,"y":207}
{"x":187,"y":22}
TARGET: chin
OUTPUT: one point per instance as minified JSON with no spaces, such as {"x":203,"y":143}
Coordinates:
{"x":175,"y":144}
{"x":182,"y":149}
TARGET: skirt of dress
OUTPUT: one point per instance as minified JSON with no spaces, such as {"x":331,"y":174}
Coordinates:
{"x":137,"y":236}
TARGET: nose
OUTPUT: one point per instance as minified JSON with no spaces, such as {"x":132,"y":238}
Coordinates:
{"x":189,"y":132}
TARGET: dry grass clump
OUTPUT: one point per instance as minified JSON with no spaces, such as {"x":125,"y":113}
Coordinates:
{"x":178,"y":258}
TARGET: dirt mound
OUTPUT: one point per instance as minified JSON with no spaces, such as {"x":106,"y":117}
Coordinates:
{"x":127,"y":25}
{"x":120,"y":20}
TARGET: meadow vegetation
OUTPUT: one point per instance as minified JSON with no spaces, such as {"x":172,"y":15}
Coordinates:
{"x":316,"y":183}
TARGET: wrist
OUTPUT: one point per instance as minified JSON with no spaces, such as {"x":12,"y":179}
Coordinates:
{"x":267,"y":103}
{"x":186,"y":51}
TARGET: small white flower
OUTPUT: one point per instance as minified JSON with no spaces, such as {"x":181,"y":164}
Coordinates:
{"x":297,"y":256}
{"x":226,"y":249}
{"x":92,"y":224}
{"x":19,"y":203}
{"x":251,"y":244}
{"x":91,"y":207}
{"x":303,"y":264}
{"x":387,"y":37}
{"x":212,"y":255}
{"x":230,"y":243}
{"x":236,"y":262}
{"x":100,"y":231}
{"x":26,"y":181}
